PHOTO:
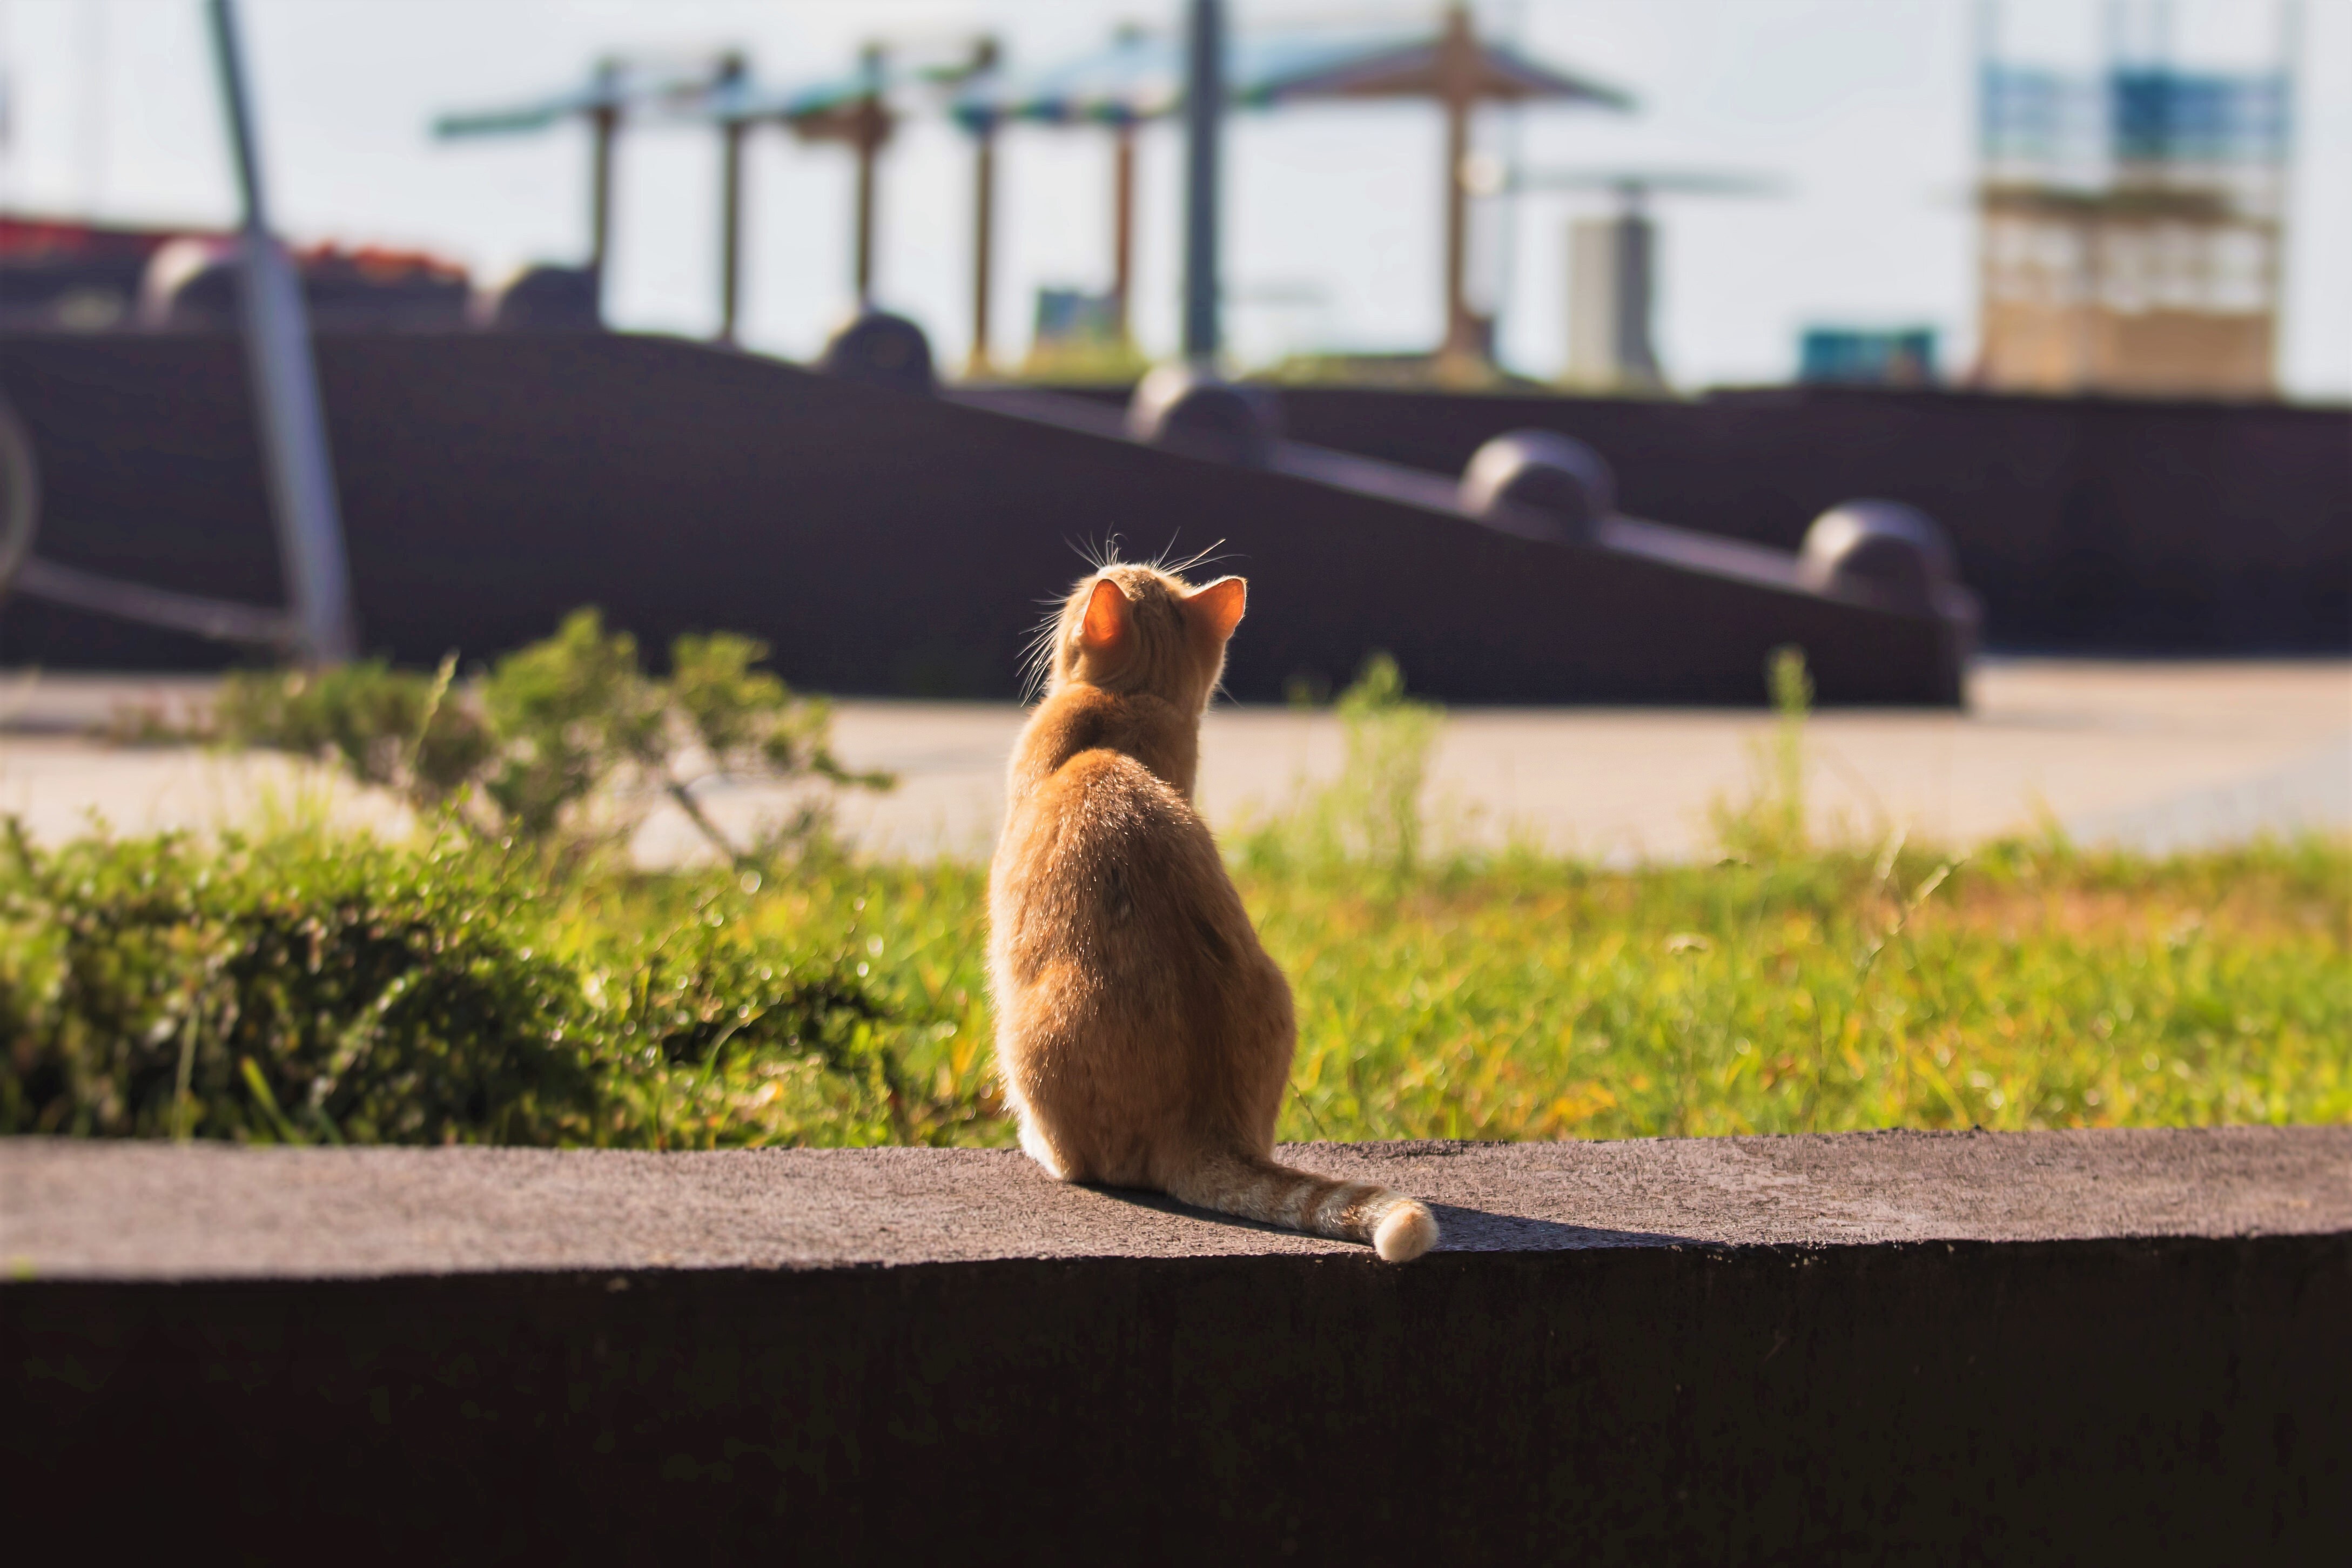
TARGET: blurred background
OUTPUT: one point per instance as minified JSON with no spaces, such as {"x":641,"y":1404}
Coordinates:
{"x":1985,"y":358}
{"x":1855,"y":122}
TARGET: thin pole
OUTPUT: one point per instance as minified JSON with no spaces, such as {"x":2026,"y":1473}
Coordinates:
{"x":984,"y":224}
{"x":731,"y":225}
{"x":2287,"y":18}
{"x":603,"y":129}
{"x":285,"y":389}
{"x":864,"y":222}
{"x":869,"y":133}
{"x":1122,"y":234}
{"x":1205,"y":102}
{"x":1457,"y":82}
{"x":984,"y":204}
{"x":1987,"y":41}
{"x":731,"y":70}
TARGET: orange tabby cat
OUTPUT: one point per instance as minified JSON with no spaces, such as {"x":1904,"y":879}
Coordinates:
{"x":1144,"y":1036}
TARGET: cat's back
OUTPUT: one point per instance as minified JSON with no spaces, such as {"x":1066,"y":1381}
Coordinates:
{"x":1095,"y":840}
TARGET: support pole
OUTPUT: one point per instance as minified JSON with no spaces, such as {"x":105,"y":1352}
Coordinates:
{"x":1457,"y":73}
{"x":871,"y":128}
{"x":864,"y":262}
{"x":983,"y":236}
{"x":1205,"y":102}
{"x":285,"y":389}
{"x":731,"y":131}
{"x":983,"y":205}
{"x":604,"y":130}
{"x":730,"y":223}
{"x":1122,"y":234}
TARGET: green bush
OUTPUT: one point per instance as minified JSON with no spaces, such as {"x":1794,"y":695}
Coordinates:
{"x":306,"y":987}
{"x":568,"y":740}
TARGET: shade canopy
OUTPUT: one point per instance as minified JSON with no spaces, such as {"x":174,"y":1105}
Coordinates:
{"x":616,"y":87}
{"x":1141,"y":76}
{"x":745,"y":99}
{"x":827,"y":106}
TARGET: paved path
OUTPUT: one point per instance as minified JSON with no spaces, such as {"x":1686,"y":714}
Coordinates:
{"x":2158,"y":754}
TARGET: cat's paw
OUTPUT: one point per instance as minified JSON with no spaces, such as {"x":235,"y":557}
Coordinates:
{"x":1404,"y":1233}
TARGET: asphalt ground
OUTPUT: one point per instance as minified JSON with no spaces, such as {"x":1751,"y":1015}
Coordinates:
{"x":2155,"y":755}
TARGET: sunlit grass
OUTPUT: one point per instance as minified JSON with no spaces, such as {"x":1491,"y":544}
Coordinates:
{"x":2028,"y":989}
{"x":2032,"y":987}
{"x":245,"y":988}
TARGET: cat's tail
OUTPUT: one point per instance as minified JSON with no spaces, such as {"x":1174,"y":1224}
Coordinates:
{"x":1251,"y":1188}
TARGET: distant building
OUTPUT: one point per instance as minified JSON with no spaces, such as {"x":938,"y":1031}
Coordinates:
{"x":2131,"y":228}
{"x":1610,"y":263}
{"x":1904,"y":357}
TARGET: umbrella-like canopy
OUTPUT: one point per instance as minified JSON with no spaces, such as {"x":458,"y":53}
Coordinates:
{"x":615,"y":87}
{"x":613,"y":90}
{"x":854,"y":109}
{"x":1141,"y":78}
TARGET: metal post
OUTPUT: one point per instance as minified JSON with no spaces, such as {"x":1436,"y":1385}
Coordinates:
{"x":1458,"y":86}
{"x":984,"y":56}
{"x":604,"y":130}
{"x":872,"y":121}
{"x":286,"y":391}
{"x":1204,"y":103}
{"x":732,"y":68}
{"x":730,"y":226}
{"x":984,"y":243}
{"x":1122,"y":239}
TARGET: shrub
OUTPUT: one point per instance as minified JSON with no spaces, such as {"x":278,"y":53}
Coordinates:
{"x":304,"y":987}
{"x":568,"y":740}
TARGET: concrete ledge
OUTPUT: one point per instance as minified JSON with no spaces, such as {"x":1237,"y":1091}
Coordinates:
{"x":1962,"y":1347}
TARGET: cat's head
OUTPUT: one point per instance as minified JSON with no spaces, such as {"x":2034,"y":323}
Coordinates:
{"x":1137,"y":630}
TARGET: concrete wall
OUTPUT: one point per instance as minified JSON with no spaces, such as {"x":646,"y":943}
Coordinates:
{"x":1881,"y":1347}
{"x":2083,"y":523}
{"x":881,"y":543}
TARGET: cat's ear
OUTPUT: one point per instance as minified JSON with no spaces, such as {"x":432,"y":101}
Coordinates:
{"x":1217,"y":608}
{"x":1108,"y":613}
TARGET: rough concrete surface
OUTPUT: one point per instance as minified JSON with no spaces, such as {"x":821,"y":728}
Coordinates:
{"x":70,"y":1209}
{"x":2066,"y":1347}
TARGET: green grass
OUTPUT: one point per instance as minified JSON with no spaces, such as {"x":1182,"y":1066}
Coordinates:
{"x":292,"y":985}
{"x":2033,"y":987}
{"x":1517,"y":998}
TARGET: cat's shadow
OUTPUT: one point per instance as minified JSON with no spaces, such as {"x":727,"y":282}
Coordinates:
{"x":1460,"y":1229}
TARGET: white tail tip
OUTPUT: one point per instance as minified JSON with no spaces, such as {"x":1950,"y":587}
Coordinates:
{"x":1404,"y":1233}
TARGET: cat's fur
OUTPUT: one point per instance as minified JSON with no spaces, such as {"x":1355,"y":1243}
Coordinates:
{"x":1143,"y":1035}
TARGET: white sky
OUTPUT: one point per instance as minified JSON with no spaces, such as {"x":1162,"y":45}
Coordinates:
{"x":1864,"y":107}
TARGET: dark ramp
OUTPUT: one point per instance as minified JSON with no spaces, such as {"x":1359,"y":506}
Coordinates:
{"x":2093,"y":524}
{"x":2085,"y":1347}
{"x":881,"y":543}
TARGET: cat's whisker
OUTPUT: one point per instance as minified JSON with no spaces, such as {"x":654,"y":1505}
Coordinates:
{"x":1206,"y":556}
